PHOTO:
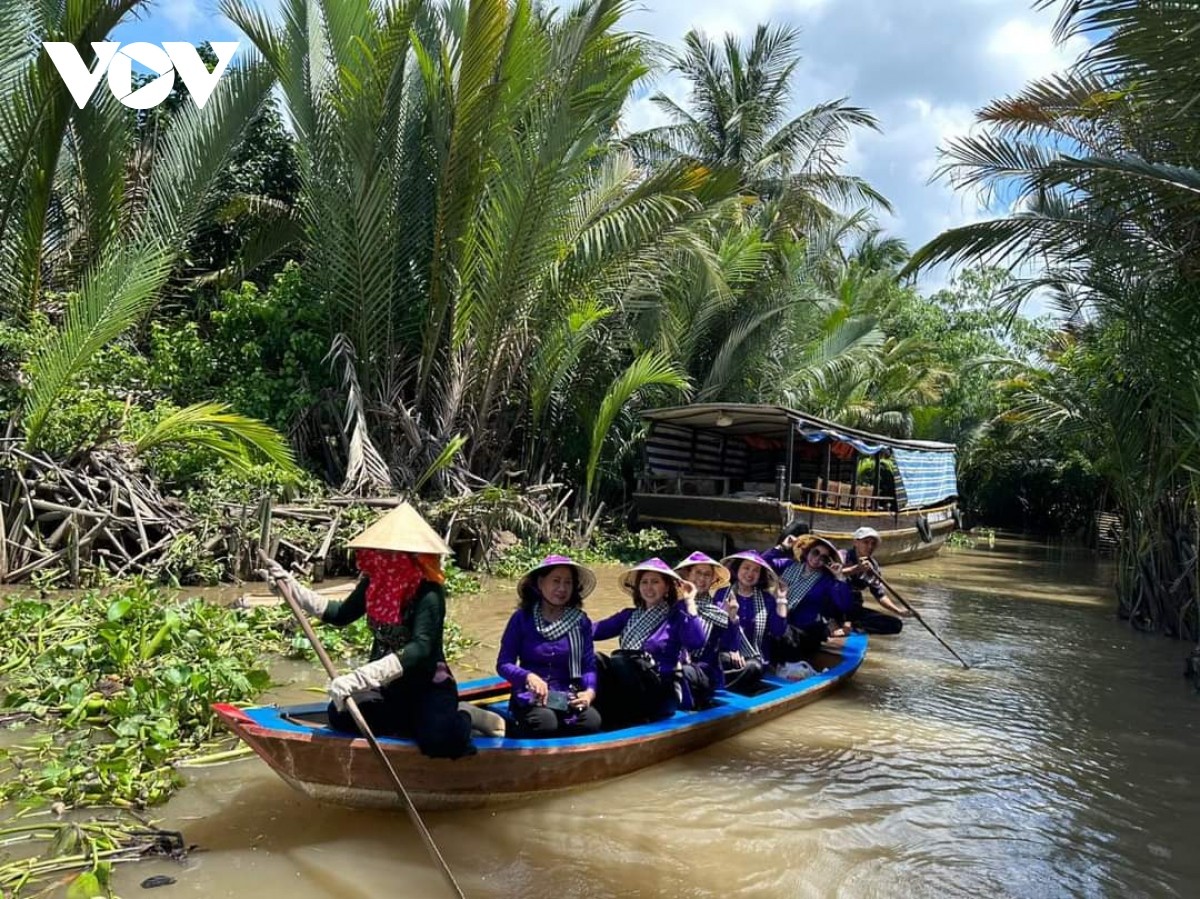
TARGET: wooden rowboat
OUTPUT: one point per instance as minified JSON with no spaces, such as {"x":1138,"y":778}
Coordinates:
{"x":334,"y":766}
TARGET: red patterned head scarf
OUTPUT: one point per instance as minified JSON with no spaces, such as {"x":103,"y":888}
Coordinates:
{"x":393,"y":578}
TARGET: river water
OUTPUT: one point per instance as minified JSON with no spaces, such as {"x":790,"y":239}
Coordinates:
{"x":1064,"y":763}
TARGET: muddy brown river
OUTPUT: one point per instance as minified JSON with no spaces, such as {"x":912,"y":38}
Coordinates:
{"x":1065,"y":763}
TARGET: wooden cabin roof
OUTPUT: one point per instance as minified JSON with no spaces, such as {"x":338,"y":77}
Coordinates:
{"x":774,"y":421}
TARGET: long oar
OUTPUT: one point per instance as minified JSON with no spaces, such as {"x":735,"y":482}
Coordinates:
{"x":917,"y":615}
{"x":356,"y":714}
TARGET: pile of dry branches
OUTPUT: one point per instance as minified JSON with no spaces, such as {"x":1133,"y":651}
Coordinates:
{"x":99,"y":512}
{"x":103,"y":514}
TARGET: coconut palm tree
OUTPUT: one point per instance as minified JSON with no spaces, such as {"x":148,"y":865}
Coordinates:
{"x":464,"y":198}
{"x":70,"y":218}
{"x":1101,"y":169}
{"x":738,"y":119}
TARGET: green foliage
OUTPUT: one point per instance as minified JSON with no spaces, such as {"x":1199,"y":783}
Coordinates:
{"x":106,"y":393}
{"x":110,"y":301}
{"x":459,"y":582}
{"x":1102,"y":168}
{"x":608,"y":547}
{"x":259,"y":351}
{"x":17,"y":344}
{"x":233,"y":438}
{"x":462,"y":193}
{"x":974,"y":339}
{"x":60,"y":847}
{"x":740,"y":97}
{"x":124,"y":681}
{"x":648,"y":371}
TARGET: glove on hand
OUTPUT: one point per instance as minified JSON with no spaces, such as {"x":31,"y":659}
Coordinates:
{"x":272,"y":573}
{"x":370,"y":676}
{"x":309,"y":600}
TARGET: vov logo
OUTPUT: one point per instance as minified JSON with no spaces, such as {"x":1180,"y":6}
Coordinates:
{"x":173,"y":57}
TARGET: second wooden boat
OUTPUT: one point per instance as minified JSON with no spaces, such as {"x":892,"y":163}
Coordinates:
{"x":727,"y":477}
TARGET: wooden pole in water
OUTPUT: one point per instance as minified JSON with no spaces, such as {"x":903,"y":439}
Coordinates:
{"x":917,"y":615}
{"x":355,"y":713}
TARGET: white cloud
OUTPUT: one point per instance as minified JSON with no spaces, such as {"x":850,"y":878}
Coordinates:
{"x":1027,"y":50}
{"x":183,"y":13}
{"x":921,"y":66}
{"x":642,"y":114}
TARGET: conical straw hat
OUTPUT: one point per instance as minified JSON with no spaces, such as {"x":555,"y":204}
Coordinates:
{"x":720,"y":572}
{"x":401,"y":530}
{"x":585,"y":578}
{"x":655,"y":565}
{"x":749,"y":555}
{"x":807,"y":541}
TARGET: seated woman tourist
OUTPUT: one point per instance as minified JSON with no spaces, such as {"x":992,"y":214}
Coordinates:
{"x":728,"y":659}
{"x":818,"y":596}
{"x":760,"y":600}
{"x":646,"y":678}
{"x":862,"y":573}
{"x":546,"y":652}
{"x":406,"y":689}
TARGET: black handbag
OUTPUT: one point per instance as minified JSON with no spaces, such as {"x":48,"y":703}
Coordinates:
{"x":630,"y":689}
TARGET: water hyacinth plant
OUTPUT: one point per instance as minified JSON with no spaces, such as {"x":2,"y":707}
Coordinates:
{"x":120,"y":685}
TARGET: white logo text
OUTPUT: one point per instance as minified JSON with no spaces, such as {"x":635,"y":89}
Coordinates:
{"x":171,"y":58}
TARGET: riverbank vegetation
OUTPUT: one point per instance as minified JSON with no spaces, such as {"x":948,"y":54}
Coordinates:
{"x":1101,"y":171}
{"x":411,"y":248}
{"x":452,"y":273}
{"x":107,"y":701}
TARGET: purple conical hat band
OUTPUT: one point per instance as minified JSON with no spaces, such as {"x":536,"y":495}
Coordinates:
{"x":721,"y":573}
{"x":587,"y":580}
{"x":749,"y":555}
{"x":656,"y":565}
{"x":697,"y":558}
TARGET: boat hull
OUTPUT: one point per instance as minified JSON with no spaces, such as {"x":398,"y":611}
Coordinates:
{"x":332,"y":766}
{"x":720,"y":526}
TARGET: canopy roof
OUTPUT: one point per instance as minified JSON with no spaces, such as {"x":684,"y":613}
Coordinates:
{"x":774,"y":421}
{"x":925,"y":470}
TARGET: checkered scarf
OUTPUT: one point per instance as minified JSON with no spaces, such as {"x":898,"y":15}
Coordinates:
{"x":569,"y":626}
{"x":712,"y":614}
{"x":800,"y":580}
{"x":753,"y":640}
{"x":643,"y":624}
{"x":747,"y":647}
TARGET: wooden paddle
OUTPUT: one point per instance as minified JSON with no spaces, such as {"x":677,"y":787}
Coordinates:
{"x":916,"y":614}
{"x":355,"y":713}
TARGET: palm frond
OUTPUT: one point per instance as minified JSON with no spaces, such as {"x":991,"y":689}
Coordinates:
{"x":366,"y":469}
{"x":648,"y":370}
{"x":197,"y":148}
{"x":120,"y":289}
{"x":236,"y":438}
{"x":443,"y":461}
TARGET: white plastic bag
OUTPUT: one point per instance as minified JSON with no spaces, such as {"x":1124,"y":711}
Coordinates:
{"x":796,"y":671}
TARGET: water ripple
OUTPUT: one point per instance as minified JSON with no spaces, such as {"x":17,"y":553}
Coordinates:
{"x":1061,"y":764}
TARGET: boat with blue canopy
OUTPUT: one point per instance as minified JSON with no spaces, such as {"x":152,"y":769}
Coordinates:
{"x":727,"y":477}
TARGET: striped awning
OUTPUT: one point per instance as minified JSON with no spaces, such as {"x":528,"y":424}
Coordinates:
{"x":924,"y":478}
{"x":817,"y":435}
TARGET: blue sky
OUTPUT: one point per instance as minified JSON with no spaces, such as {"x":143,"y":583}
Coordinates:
{"x":921,"y":66}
